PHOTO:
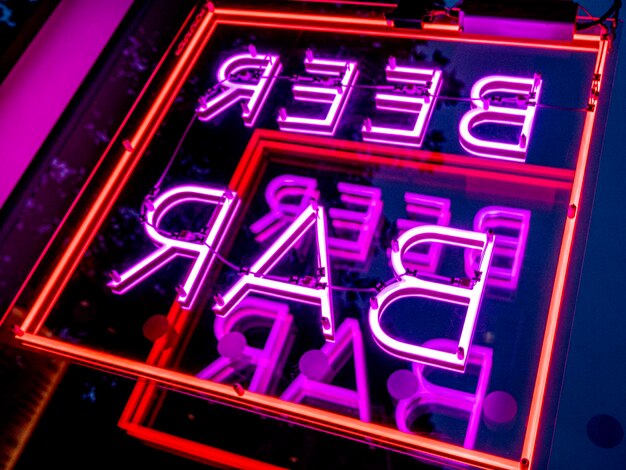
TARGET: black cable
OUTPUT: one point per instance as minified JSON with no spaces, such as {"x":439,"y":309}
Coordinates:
{"x":614,"y":10}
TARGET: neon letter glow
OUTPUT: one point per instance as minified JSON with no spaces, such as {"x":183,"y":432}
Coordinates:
{"x":448,"y":400}
{"x":359,"y":225}
{"x":192,"y":245}
{"x":427,"y":83}
{"x":280,"y":194}
{"x":485,"y":112}
{"x":318,"y":293}
{"x":508,"y":253}
{"x":335,"y":94}
{"x":252,"y":95}
{"x":348,"y":340}
{"x":267,"y":362}
{"x":411,"y":286}
{"x":424,"y":210}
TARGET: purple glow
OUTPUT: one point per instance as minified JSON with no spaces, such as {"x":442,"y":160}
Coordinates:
{"x":319,"y":294}
{"x":336,"y":95}
{"x":268,"y":361}
{"x":361,"y":224}
{"x":253,"y":95}
{"x":449,"y":400}
{"x":424,"y":210}
{"x":411,"y":286}
{"x":484,"y":112}
{"x":348,"y":340}
{"x":195,"y":245}
{"x":508,"y":253}
{"x":280,"y":195}
{"x":425,"y":83}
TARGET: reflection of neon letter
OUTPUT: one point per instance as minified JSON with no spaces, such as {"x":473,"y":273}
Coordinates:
{"x":450,"y":401}
{"x":253,"y":95}
{"x":428,"y":82}
{"x":410,"y":286}
{"x":336,"y":95}
{"x":424,"y":210}
{"x":484,"y":113}
{"x":348,"y":342}
{"x":318,"y":294}
{"x":194,"y":245}
{"x":280,"y":194}
{"x":511,"y":227}
{"x":268,"y":362}
{"x":360,"y":224}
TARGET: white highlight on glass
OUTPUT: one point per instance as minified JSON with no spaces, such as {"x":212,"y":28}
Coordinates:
{"x":348,"y":344}
{"x":355,"y":229}
{"x":424,"y":210}
{"x":418,"y":99}
{"x":485,"y":112}
{"x":445,"y":400}
{"x":411,"y":286}
{"x":319,"y":293}
{"x":287,"y":196}
{"x":264,"y":67}
{"x":510,"y":225}
{"x":267,"y":362}
{"x":194,"y":245}
{"x":334,"y":91}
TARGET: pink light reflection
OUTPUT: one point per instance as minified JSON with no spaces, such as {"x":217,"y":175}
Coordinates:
{"x":447,"y":400}
{"x":348,"y":343}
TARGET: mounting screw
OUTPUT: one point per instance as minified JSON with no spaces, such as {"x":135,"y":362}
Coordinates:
{"x":18,"y":331}
{"x":571,"y":211}
{"x":374,"y":303}
{"x":239,"y":390}
{"x":127,"y":145}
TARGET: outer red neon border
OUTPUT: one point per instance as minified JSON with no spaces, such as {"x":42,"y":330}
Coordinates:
{"x":330,"y":422}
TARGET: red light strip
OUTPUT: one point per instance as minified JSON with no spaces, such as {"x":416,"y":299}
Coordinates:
{"x":561,"y":275}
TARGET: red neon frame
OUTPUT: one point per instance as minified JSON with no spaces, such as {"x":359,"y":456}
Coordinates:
{"x":127,"y":160}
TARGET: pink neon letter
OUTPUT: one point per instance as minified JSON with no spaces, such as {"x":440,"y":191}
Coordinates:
{"x":280,"y":194}
{"x":348,"y":339}
{"x":424,"y":210}
{"x":411,"y":286}
{"x":486,"y":112}
{"x":264,"y":67}
{"x":355,"y":224}
{"x":190,"y":245}
{"x":267,"y":362}
{"x":425,"y":83}
{"x":335,"y":94}
{"x":449,"y":400}
{"x":511,"y":227}
{"x":315,"y":292}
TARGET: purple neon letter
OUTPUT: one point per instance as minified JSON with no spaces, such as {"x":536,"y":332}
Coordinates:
{"x":484,"y":112}
{"x":252,"y":94}
{"x":191,"y":245}
{"x":343,"y":75}
{"x":267,"y":362}
{"x":348,"y":340}
{"x":419,"y":98}
{"x":411,"y":286}
{"x":511,"y":227}
{"x":316,"y":293}
{"x":449,"y":400}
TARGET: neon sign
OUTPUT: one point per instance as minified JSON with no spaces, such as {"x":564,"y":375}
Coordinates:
{"x":397,"y":216}
{"x":417,"y":97}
